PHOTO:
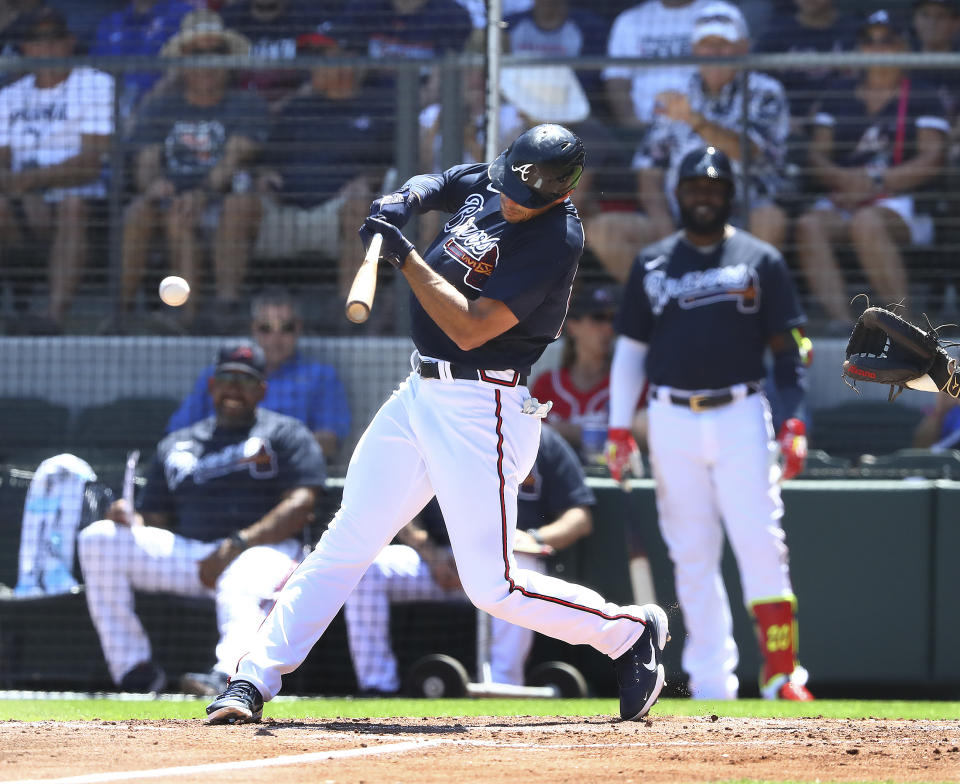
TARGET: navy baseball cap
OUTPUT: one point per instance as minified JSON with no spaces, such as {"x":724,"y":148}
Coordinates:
{"x":594,"y":301}
{"x":880,"y":18}
{"x":241,"y":356}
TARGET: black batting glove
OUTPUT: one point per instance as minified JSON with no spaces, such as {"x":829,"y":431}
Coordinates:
{"x":395,"y":208}
{"x":395,"y":248}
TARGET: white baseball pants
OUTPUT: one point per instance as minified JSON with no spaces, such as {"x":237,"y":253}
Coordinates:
{"x":118,"y":560}
{"x":469,"y":443}
{"x":399,"y":574}
{"x":716,"y":471}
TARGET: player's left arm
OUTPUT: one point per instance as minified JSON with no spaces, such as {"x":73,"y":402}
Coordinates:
{"x":926,"y":164}
{"x":290,"y":516}
{"x":468,"y":323}
{"x":565,"y":496}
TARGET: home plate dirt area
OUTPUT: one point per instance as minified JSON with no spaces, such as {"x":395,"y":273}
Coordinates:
{"x":523,"y":749}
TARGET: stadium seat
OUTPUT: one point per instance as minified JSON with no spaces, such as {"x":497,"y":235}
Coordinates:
{"x":124,"y":423}
{"x":32,"y":422}
{"x":863,"y":427}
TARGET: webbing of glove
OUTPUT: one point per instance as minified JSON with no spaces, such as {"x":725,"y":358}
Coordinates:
{"x":887,"y":349}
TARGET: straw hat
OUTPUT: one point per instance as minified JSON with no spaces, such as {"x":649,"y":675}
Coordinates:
{"x":204,"y":24}
{"x":545,"y":93}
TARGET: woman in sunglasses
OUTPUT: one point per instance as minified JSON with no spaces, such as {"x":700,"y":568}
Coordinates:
{"x":580,"y":387}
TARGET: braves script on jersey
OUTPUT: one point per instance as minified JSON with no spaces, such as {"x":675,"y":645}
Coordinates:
{"x":721,"y":306}
{"x":528,"y":266}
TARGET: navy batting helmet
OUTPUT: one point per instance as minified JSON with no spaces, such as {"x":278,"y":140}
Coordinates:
{"x":540,"y":166}
{"x":706,"y":162}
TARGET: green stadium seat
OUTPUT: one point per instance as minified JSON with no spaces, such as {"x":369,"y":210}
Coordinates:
{"x":863,"y":427}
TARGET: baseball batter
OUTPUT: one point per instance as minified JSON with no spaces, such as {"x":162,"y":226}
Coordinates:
{"x":489,"y":294}
{"x":700,"y":310}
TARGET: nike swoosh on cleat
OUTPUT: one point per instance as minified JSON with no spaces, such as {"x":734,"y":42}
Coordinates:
{"x":652,"y":664}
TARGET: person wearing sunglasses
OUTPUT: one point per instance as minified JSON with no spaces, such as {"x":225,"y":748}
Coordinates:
{"x":299,"y":387}
{"x":877,"y":155}
{"x":220,"y":516}
{"x":580,"y":386}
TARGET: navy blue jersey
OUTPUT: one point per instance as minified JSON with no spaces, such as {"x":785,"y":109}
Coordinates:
{"x":528,"y":266}
{"x":707,"y":317}
{"x":555,"y":484}
{"x":214,"y":480}
{"x":862,"y":139}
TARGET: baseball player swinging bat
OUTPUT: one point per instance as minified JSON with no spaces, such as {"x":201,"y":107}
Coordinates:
{"x":364,"y":287}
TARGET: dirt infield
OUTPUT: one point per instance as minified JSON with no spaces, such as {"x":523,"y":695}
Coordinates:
{"x":559,"y":750}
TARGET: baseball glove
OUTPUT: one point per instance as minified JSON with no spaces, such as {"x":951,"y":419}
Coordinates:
{"x":886,"y":349}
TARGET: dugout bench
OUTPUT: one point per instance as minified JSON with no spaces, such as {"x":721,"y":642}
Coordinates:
{"x":872,"y":564}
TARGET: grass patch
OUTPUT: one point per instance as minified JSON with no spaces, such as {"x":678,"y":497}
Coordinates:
{"x":106,"y":708}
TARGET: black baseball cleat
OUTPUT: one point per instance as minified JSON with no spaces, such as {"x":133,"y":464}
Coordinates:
{"x":240,"y":703}
{"x":640,"y":673}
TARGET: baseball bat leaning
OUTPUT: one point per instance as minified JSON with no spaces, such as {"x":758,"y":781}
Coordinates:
{"x":360,"y":298}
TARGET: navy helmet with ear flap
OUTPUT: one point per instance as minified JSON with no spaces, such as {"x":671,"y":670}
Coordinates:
{"x":540,"y":166}
{"x":706,"y":162}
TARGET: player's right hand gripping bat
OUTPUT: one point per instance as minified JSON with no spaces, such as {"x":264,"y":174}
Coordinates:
{"x":360,"y":298}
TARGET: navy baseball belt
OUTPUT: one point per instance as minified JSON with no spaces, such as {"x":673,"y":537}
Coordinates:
{"x":710,"y":400}
{"x":429,"y":369}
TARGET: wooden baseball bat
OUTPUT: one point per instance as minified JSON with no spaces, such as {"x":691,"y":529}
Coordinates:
{"x":360,"y":298}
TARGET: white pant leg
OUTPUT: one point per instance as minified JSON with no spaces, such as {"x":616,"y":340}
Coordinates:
{"x":478,"y":445}
{"x":683,"y":445}
{"x":748,"y":492}
{"x":397,"y":574}
{"x":116,"y":560}
{"x":386,"y":486}
{"x":510,"y":644}
{"x":244,"y":594}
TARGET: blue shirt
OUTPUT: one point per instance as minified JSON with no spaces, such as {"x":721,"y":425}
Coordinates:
{"x":555,"y":484}
{"x":708,"y":317}
{"x":129,"y":33}
{"x":528,"y":266}
{"x":300,"y":388}
{"x":214,"y":480}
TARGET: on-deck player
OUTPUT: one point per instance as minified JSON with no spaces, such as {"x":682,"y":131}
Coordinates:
{"x":488,"y":296}
{"x":700,"y":310}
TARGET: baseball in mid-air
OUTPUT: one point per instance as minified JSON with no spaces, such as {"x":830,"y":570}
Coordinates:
{"x":174,"y":290}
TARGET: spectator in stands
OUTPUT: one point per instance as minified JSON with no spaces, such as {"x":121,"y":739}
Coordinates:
{"x":298,"y":387}
{"x":195,"y":144}
{"x":55,"y":130}
{"x":553,"y":512}
{"x":329,"y":149}
{"x":816,"y":26}
{"x":220,"y":516}
{"x":272,"y":27}
{"x":940,"y":427}
{"x":707,"y":110}
{"x":551,"y":28}
{"x":936,"y":25}
{"x":650,"y":29}
{"x":141,"y":28}
{"x":580,"y":386}
{"x":877,"y":144}
{"x":406,"y":29}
